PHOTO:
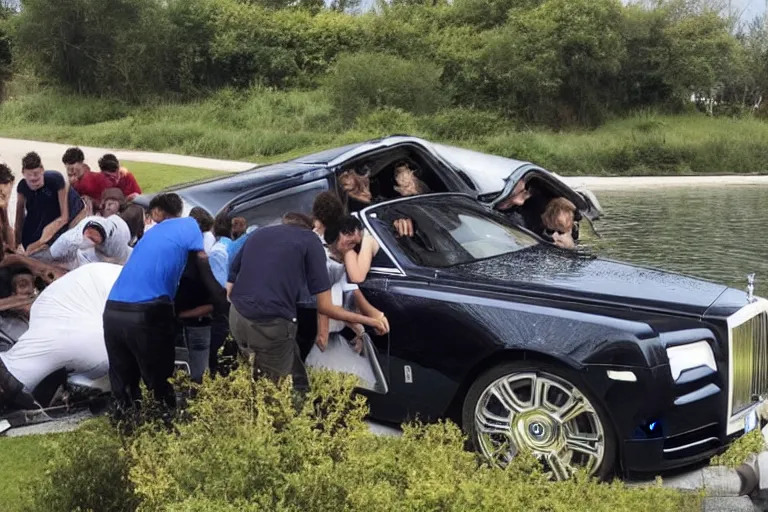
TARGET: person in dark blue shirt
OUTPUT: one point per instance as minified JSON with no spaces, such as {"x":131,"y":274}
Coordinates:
{"x":266,"y":279}
{"x":46,"y":206}
{"x":140,"y":327}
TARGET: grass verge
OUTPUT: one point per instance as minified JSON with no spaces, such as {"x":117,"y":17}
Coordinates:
{"x":156,"y":177}
{"x":22,"y":459}
{"x":262,"y":126}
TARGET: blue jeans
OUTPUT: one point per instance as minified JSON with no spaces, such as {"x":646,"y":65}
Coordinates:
{"x":199,"y":345}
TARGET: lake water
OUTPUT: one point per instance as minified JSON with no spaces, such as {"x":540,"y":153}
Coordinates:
{"x":717,"y":233}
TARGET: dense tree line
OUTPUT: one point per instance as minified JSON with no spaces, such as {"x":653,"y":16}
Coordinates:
{"x":552,"y":62}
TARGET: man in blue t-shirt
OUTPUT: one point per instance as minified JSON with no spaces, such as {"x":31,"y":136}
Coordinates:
{"x":46,"y":206}
{"x":140,"y":327}
{"x":269,"y":275}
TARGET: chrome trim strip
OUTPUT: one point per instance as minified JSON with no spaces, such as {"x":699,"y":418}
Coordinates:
{"x":387,"y":271}
{"x":381,"y":385}
{"x":690,"y":445}
{"x":736,"y":422}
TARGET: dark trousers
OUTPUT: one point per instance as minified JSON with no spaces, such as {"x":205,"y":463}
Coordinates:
{"x":219,"y":333}
{"x":272,"y":343}
{"x":140,"y":341}
{"x":12,"y":394}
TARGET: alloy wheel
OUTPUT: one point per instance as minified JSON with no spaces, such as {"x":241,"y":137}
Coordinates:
{"x":544,"y":414}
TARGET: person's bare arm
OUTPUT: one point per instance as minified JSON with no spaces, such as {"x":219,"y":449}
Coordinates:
{"x":197,"y":312}
{"x":323,"y":328}
{"x":19,"y":226}
{"x":358,"y":265}
{"x":368,"y":310}
{"x":9,"y":237}
{"x":326,"y":307}
{"x":15,"y":302}
{"x":47,"y":273}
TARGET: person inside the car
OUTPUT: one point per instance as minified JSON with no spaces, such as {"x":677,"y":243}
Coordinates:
{"x":357,"y":188}
{"x":523,"y":206}
{"x":559,"y":221}
{"x":333,"y":350}
{"x":407,"y":183}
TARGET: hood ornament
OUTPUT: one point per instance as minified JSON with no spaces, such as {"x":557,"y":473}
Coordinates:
{"x":751,"y":288}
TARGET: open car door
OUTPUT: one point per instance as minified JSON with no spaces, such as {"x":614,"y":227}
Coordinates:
{"x":495,"y":177}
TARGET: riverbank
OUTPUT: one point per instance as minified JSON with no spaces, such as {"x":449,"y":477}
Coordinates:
{"x":266,"y":126}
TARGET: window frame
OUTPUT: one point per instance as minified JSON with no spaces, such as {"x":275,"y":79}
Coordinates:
{"x":396,"y":254}
{"x":237,"y":210}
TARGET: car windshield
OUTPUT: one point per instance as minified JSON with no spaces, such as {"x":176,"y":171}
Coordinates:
{"x":452,"y":230}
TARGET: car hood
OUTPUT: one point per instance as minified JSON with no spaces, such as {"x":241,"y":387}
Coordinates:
{"x":546,"y":270}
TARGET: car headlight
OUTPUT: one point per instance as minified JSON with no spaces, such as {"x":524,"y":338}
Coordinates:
{"x":691,"y":355}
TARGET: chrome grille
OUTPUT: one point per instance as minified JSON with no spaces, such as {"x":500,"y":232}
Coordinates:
{"x":750,"y":362}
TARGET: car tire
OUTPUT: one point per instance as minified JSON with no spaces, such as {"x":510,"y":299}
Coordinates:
{"x":566,"y":427}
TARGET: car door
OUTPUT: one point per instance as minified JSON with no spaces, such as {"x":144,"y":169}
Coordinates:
{"x":494,"y":177}
{"x":422,"y":351}
{"x":268,"y":209}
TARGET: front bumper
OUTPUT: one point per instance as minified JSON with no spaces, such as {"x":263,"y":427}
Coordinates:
{"x":662,"y":425}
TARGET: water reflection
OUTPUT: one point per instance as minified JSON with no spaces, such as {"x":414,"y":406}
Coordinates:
{"x":717,"y":233}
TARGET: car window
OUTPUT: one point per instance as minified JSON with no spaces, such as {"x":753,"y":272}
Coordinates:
{"x":269,"y":210}
{"x":453,"y":230}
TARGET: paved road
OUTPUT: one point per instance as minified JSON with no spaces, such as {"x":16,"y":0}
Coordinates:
{"x":12,"y":151}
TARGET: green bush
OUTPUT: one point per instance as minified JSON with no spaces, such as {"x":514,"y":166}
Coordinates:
{"x":363,"y":82}
{"x":247,"y":447}
{"x":87,"y":471}
{"x":736,"y":454}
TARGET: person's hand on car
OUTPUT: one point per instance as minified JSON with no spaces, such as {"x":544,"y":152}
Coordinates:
{"x":404,"y":227}
{"x":563,"y":240}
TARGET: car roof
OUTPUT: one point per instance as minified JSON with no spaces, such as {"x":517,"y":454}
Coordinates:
{"x":214,"y":194}
{"x":488,"y":172}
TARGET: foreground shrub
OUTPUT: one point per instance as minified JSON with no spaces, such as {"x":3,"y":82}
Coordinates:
{"x":88,"y":470}
{"x":363,"y":82}
{"x":740,"y":450}
{"x":249,"y":448}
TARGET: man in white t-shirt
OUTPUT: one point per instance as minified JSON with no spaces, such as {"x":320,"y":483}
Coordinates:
{"x":65,"y":331}
{"x":93,"y":239}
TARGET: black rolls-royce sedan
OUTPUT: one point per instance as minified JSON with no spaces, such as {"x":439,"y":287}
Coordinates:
{"x":589,"y":363}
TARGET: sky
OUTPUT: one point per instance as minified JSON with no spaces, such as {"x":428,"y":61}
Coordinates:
{"x":750,"y":8}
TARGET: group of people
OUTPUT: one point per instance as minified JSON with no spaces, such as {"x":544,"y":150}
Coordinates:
{"x":168,"y":281}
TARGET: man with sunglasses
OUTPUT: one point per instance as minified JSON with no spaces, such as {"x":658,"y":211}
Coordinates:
{"x":560,"y":226}
{"x":119,"y":177}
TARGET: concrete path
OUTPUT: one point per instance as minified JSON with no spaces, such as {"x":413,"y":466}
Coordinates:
{"x":12,"y":151}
